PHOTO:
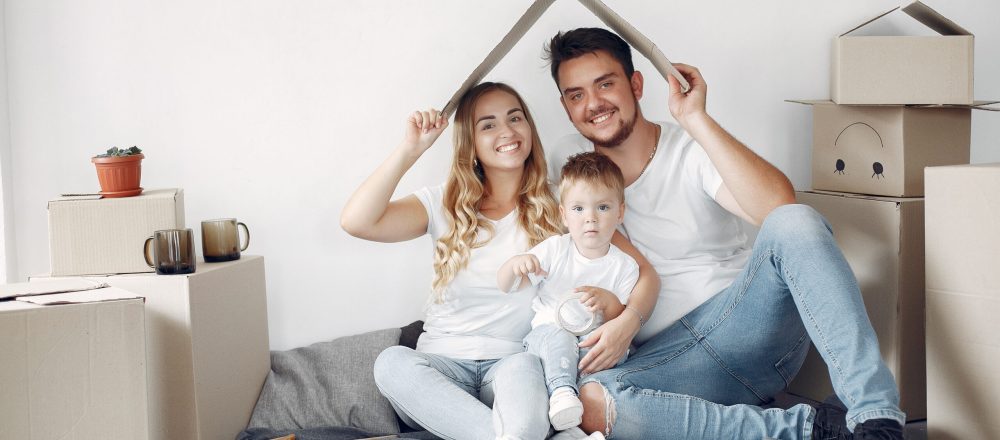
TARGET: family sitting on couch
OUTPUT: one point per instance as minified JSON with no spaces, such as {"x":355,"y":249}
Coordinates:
{"x":654,"y":212}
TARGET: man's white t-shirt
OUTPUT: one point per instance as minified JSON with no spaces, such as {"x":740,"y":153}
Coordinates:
{"x":697,"y":246}
{"x":567,"y":269}
{"x":476,"y":320}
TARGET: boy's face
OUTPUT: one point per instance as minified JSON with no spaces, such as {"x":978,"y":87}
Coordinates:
{"x":591,"y":213}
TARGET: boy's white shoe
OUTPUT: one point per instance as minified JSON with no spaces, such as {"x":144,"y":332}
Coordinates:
{"x":575,"y":433}
{"x":565,"y":409}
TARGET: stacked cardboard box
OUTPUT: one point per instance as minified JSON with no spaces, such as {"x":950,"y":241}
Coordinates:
{"x":72,"y":362}
{"x":899,"y":104}
{"x":963,"y":302}
{"x":207,"y":349}
{"x":206,"y":352}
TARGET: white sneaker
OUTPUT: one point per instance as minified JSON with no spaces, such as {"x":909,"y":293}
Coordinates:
{"x":575,"y":433}
{"x":565,"y":409}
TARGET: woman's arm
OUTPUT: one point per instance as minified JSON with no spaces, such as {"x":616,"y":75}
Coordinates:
{"x":610,"y":341}
{"x":369,"y":213}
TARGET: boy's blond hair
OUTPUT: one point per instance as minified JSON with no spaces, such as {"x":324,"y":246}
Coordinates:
{"x":594,"y":169}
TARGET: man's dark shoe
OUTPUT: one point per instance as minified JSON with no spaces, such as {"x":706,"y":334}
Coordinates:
{"x":831,"y":422}
{"x":878,"y":429}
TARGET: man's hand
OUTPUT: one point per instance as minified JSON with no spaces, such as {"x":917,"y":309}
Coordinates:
{"x":609,"y":343}
{"x":684,"y":107}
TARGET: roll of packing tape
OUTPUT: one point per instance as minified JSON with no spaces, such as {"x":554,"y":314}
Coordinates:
{"x":574,"y":317}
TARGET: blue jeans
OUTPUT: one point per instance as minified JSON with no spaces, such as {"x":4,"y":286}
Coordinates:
{"x":452,"y":397}
{"x":703,"y":376}
{"x":559,"y":353}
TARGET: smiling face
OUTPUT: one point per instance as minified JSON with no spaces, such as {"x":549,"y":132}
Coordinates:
{"x":600,"y":100}
{"x":591,"y":213}
{"x":502,"y":133}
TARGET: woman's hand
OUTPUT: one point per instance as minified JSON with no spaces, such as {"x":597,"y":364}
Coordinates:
{"x":422,"y":129}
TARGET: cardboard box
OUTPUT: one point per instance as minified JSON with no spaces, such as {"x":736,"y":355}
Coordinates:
{"x":73,"y":371}
{"x":904,"y":69}
{"x":882,"y":150}
{"x":963,"y":302}
{"x":883,"y":241}
{"x":207,"y":345}
{"x":105,"y":236}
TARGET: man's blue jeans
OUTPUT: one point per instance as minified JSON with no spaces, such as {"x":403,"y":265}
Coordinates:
{"x":703,"y":376}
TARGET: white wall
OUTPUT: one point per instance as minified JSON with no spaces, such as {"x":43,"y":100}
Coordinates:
{"x":274,"y":111}
{"x":8,"y":264}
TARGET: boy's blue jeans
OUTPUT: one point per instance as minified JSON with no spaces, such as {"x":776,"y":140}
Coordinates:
{"x":703,"y":376}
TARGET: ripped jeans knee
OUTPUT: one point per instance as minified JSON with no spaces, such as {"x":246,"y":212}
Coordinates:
{"x":600,"y":411}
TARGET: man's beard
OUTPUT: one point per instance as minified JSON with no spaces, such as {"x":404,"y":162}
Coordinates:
{"x":619,"y":136}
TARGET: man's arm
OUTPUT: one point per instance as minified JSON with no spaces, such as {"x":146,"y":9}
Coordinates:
{"x":751,"y":187}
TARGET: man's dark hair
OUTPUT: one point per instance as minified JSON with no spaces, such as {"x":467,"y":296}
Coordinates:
{"x":581,"y":41}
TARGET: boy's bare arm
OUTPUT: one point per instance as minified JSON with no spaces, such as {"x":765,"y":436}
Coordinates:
{"x":516,"y":270}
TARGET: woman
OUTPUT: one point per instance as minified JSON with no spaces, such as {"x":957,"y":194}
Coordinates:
{"x":468,"y":377}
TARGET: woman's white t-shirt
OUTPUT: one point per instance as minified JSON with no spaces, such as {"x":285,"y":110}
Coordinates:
{"x":476,"y":320}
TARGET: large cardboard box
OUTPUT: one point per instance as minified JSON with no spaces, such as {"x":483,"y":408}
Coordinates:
{"x":904,"y":69}
{"x":963,"y":302}
{"x":73,"y":371}
{"x":88,"y":235}
{"x":882,"y":150}
{"x":207,"y":346}
{"x":883,"y":241}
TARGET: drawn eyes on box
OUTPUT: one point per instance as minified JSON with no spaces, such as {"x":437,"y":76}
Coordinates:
{"x":877,"y":168}
{"x":861,"y":134}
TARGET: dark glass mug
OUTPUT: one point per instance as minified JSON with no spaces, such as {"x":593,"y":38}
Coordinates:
{"x":172,"y":251}
{"x":220,"y":239}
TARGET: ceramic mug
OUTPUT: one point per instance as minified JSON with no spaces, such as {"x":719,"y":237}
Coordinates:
{"x":172,"y":251}
{"x":220,"y":239}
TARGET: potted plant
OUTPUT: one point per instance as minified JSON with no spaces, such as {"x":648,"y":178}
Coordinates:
{"x":119,"y":171}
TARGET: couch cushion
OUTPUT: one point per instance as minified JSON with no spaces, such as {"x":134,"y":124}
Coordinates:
{"x":327,"y":384}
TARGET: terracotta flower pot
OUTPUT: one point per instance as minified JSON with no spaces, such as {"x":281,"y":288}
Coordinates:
{"x":119,"y":176}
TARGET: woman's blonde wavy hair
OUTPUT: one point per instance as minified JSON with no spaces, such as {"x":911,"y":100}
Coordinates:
{"x":465,"y":190}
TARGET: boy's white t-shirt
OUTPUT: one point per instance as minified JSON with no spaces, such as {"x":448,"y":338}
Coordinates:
{"x":696,"y":246}
{"x":476,"y":320}
{"x":567,"y":269}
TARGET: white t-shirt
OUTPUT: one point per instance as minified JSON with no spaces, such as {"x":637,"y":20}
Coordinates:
{"x":697,"y":246}
{"x":476,"y":320}
{"x":567,"y":269}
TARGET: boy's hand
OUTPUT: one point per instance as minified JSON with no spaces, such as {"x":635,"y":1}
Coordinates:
{"x":527,"y":264}
{"x":597,"y":299}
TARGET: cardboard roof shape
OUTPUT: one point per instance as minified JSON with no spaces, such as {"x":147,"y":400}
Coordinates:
{"x":925,"y":15}
{"x":629,"y":33}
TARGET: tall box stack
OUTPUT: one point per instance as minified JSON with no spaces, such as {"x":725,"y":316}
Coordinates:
{"x":899,"y":104}
{"x":207,"y":349}
{"x":963,"y":302}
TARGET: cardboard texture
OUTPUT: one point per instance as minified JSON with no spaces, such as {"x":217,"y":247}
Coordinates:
{"x":905,"y":69}
{"x":73,"y":371}
{"x":629,"y":33}
{"x":105,"y":236}
{"x":882,"y":150}
{"x":963,"y":302}
{"x":883,"y":241}
{"x":207,"y":346}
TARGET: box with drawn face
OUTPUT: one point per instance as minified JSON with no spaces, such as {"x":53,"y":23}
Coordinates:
{"x":882,"y":150}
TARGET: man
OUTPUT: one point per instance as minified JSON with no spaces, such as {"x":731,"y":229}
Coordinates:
{"x":732,"y":324}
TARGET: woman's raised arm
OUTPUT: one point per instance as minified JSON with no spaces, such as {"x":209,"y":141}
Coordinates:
{"x":369,"y":213}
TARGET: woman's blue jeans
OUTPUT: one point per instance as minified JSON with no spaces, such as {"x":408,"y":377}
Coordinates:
{"x":703,"y":376}
{"x":452,"y":398}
